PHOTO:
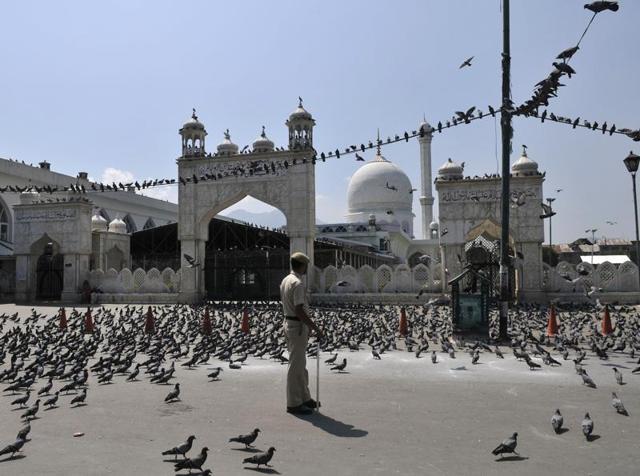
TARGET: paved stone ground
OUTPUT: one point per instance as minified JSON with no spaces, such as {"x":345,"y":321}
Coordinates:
{"x":400,"y":415}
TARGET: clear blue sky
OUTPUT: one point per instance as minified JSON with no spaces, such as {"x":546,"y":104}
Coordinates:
{"x":93,"y":85}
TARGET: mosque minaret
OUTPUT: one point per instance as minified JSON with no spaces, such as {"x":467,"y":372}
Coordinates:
{"x":426,"y":190}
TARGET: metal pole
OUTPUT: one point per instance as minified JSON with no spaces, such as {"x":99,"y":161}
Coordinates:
{"x":593,"y":244}
{"x":635,"y":208}
{"x":317,"y":374}
{"x":507,"y":131}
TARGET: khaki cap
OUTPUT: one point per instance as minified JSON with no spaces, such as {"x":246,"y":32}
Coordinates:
{"x":300,"y":257}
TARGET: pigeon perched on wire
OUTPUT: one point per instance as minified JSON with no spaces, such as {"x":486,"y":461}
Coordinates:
{"x":602,"y":5}
{"x":193,"y":463}
{"x":261,"y":458}
{"x":182,"y":449}
{"x":246,"y":440}
{"x":568,"y":53}
{"x":507,"y":446}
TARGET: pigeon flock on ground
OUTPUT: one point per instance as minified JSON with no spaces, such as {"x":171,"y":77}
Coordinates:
{"x":45,"y":365}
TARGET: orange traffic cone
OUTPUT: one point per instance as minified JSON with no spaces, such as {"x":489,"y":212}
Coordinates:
{"x":245,"y":322}
{"x":606,"y":322}
{"x":206,"y":323}
{"x":89,"y":328}
{"x":403,"y":322}
{"x":552,"y":324}
{"x":149,"y":322}
{"x":62,"y":324}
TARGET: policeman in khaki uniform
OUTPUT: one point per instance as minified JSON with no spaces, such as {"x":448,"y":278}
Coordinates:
{"x":298,"y":324}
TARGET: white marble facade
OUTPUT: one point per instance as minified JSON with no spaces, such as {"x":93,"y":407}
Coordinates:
{"x":282,"y":178}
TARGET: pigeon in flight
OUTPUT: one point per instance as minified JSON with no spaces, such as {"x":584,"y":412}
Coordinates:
{"x":182,"y":450}
{"x":587,"y":426}
{"x":192,"y":262}
{"x":359,"y":158}
{"x":193,"y":463}
{"x":466,"y":63}
{"x":507,"y":446}
{"x":261,"y":458}
{"x":547,"y":211}
{"x":246,"y":440}
{"x":557,"y":421}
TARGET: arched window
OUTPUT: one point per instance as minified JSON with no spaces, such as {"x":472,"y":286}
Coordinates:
{"x":149,"y":224}
{"x":5,"y":223}
{"x":131,"y":225}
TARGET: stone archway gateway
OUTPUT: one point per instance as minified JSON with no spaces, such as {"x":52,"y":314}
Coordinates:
{"x":210,"y":183}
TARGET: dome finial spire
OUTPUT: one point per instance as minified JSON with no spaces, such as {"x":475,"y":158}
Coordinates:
{"x":227,"y":135}
{"x":193,"y":114}
{"x":263,"y":133}
{"x":299,"y":101}
{"x":524,"y":150}
{"x":378,"y":144}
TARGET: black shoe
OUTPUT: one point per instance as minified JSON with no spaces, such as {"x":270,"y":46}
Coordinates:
{"x":311,"y":403}
{"x":300,"y":410}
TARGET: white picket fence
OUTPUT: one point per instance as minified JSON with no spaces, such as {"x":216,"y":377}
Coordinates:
{"x":136,"y":282}
{"x":608,"y":276}
{"x":383,"y":279}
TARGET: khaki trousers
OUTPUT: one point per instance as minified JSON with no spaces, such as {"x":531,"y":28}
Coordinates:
{"x":297,"y":335}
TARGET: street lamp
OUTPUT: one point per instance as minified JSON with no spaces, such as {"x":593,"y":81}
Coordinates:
{"x":550,"y":201}
{"x":631,"y":162}
{"x":593,"y":241}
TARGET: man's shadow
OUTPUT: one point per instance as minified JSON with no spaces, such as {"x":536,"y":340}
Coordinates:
{"x":334,"y":427}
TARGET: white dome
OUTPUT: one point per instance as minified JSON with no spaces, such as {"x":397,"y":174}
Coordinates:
{"x":434,"y":225}
{"x":263,"y":143}
{"x":300,"y":112}
{"x":381,"y":189}
{"x":98,"y":223}
{"x":226,"y":147}
{"x":117,"y":226}
{"x":450,"y":171}
{"x":425,"y":126}
{"x":193,"y":123}
{"x":524,"y":165}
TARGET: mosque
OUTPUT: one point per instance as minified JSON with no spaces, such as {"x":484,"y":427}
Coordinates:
{"x":63,"y":241}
